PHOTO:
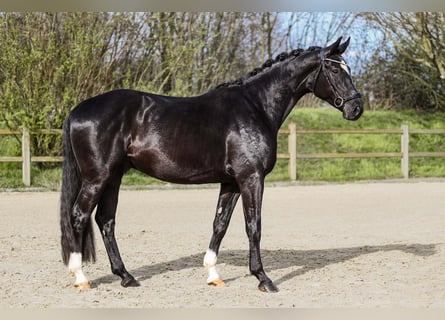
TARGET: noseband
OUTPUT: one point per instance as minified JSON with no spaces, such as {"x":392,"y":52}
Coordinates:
{"x":339,"y":101}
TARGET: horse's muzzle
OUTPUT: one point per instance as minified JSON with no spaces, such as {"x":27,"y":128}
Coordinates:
{"x":353,"y":109}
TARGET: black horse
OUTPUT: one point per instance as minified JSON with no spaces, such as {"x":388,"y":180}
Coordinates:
{"x":227,"y":135}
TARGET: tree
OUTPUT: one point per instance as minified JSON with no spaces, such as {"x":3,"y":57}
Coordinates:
{"x":411,"y":72}
{"x":51,"y":61}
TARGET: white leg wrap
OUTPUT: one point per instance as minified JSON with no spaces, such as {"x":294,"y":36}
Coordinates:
{"x":75,"y":267}
{"x":210,"y":264}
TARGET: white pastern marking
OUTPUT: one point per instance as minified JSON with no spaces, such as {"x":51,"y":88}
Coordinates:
{"x":210,"y":258}
{"x":75,"y":261}
{"x":213,"y":275}
{"x":75,"y":267}
{"x":210,"y":263}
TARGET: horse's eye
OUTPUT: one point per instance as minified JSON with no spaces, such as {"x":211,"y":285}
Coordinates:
{"x":335,"y":70}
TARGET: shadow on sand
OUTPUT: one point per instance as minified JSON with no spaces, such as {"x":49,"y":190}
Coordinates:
{"x":274,"y":260}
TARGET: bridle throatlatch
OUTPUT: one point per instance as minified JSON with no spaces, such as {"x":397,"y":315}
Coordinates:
{"x":339,"y":101}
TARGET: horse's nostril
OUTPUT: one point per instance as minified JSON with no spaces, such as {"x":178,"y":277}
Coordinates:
{"x":357,"y":110}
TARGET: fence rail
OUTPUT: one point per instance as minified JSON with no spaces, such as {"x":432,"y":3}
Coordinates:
{"x":26,"y":159}
{"x":404,"y":153}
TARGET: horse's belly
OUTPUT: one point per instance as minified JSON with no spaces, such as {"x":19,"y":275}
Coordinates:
{"x":178,"y":168}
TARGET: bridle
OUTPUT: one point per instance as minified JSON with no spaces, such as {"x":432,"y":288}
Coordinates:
{"x":339,"y":101}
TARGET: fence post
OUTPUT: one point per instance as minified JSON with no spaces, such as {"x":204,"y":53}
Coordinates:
{"x":292,"y":151}
{"x":405,"y":151}
{"x":26,"y":158}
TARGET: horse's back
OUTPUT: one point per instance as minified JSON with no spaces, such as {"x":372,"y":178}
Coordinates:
{"x":106,"y":106}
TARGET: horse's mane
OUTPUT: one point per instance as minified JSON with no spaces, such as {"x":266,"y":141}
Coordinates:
{"x":266,"y":65}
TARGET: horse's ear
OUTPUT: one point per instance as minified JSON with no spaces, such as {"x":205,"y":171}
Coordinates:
{"x":337,"y":47}
{"x":342,"y":48}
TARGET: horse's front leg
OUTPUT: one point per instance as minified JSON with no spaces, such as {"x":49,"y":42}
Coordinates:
{"x":228,"y":197}
{"x":252,"y":195}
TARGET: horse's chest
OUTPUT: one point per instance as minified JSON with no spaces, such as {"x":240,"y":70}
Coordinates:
{"x":252,"y":147}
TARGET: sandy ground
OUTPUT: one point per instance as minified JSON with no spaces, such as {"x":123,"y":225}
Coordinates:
{"x":352,"y":245}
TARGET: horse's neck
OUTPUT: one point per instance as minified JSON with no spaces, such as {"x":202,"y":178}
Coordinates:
{"x":278,"y":93}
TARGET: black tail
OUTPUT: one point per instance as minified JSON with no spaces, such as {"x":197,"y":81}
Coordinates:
{"x":71,"y":183}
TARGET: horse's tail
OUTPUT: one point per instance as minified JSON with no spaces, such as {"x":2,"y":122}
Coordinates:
{"x":71,"y":183}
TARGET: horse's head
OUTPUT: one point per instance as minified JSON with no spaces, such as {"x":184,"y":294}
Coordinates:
{"x":332,"y":82}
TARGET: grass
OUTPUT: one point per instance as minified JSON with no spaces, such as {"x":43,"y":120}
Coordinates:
{"x":360,"y":169}
{"x":339,"y":170}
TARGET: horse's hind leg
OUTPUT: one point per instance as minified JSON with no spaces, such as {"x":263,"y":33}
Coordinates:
{"x":228,"y":197}
{"x":105,"y":219}
{"x":83,"y":244}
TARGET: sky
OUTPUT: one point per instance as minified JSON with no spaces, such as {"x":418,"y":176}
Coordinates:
{"x":322,"y":28}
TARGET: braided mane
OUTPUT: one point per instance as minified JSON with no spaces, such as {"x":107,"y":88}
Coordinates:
{"x":266,"y":65}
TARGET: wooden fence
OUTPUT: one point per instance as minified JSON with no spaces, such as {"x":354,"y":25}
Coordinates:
{"x":404,"y":153}
{"x":26,"y":159}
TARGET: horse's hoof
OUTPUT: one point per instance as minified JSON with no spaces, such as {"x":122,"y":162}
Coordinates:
{"x":217,"y":283}
{"x":268,"y":286}
{"x":130,"y":283}
{"x":82,"y":286}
